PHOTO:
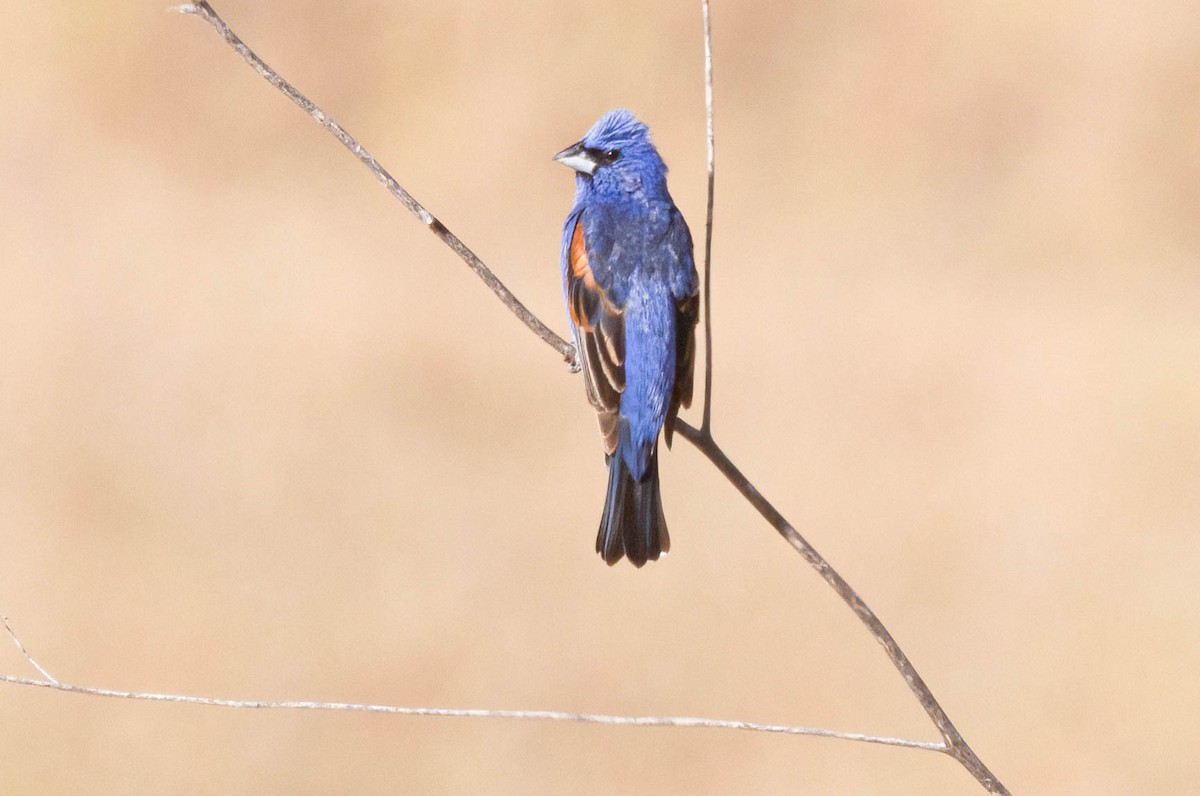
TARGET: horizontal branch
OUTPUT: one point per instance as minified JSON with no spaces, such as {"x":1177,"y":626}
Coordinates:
{"x":529,"y":715}
{"x":479,"y":713}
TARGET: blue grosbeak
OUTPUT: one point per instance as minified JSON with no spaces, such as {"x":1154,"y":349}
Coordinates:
{"x":632,"y":295}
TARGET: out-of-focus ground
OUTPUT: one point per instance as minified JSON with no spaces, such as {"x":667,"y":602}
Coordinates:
{"x":262,"y":436}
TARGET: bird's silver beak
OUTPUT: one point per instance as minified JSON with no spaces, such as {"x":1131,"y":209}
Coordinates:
{"x":576,"y":157}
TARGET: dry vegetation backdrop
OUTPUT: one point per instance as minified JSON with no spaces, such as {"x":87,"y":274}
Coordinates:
{"x":262,"y":436}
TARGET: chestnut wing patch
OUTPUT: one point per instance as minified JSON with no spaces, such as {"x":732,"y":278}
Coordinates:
{"x":601,"y":336}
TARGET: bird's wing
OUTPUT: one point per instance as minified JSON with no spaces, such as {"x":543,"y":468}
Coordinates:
{"x":686,"y":288}
{"x":687,"y":312}
{"x":599,"y":334}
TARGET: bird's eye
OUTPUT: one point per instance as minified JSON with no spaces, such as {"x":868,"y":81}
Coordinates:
{"x":612,"y":154}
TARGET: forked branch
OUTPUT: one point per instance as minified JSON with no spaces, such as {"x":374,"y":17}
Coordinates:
{"x":952,"y":742}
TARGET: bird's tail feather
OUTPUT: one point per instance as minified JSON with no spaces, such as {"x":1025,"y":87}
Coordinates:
{"x":633,"y":524}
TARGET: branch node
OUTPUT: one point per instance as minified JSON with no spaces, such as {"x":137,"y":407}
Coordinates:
{"x":25,"y":652}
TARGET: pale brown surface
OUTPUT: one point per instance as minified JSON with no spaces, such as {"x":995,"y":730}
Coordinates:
{"x":262,"y":436}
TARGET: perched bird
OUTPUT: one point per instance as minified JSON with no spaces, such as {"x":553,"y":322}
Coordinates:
{"x":632,"y":295}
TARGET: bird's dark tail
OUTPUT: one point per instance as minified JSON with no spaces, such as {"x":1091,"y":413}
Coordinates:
{"x":633,"y":524}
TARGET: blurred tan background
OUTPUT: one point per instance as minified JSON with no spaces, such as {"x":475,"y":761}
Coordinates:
{"x":262,"y":436}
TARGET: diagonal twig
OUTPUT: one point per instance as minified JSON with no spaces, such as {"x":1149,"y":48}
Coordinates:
{"x":203,"y":10}
{"x":955,"y":746}
{"x":953,"y":743}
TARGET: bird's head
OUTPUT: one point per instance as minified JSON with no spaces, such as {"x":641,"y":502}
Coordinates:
{"x":617,"y":155}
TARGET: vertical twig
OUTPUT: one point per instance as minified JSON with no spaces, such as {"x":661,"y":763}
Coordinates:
{"x":706,"y":422}
{"x":954,"y":745}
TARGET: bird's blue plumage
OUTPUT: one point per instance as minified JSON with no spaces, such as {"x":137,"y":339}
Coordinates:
{"x":631,"y":290}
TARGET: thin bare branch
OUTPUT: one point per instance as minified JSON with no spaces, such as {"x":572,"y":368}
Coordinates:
{"x":532,"y":715}
{"x":953,"y":743}
{"x":706,"y":421}
{"x":205,"y":11}
{"x":25,"y":652}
